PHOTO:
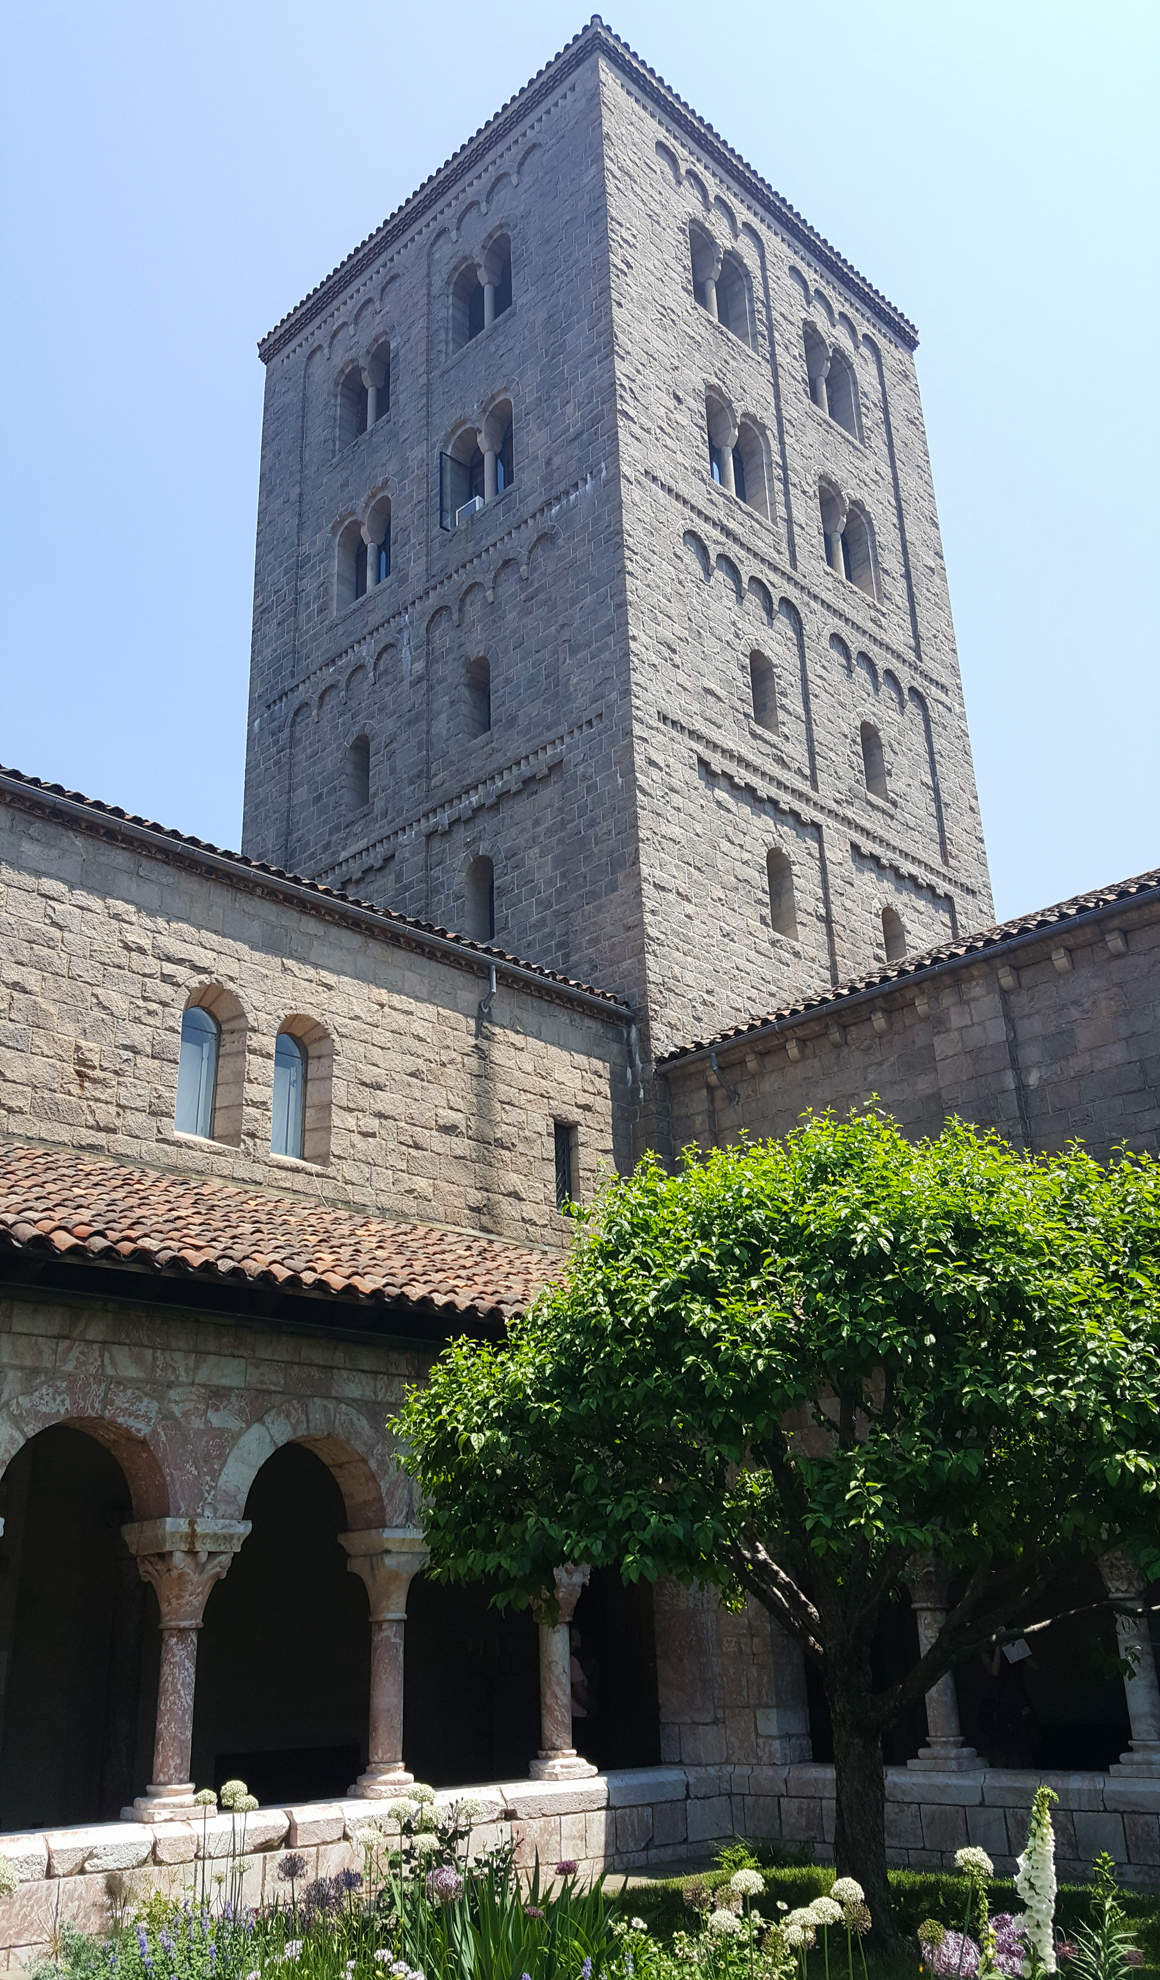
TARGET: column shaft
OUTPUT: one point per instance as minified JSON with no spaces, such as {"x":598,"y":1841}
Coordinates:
{"x":1122,"y":1578}
{"x":386,"y":1558}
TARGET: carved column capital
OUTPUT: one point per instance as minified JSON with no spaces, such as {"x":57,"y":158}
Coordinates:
{"x":386,"y":1558}
{"x":182,"y":1559}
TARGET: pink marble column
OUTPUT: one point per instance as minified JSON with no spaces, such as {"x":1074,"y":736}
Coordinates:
{"x":1122,"y":1579}
{"x":181,"y":1559}
{"x":558,"y":1759}
{"x":945,"y":1750}
{"x":386,"y":1558}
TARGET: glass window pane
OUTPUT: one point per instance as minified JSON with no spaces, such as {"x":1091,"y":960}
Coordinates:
{"x":197,"y":1073}
{"x":289,"y":1096}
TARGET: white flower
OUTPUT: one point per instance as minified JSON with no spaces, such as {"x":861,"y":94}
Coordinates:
{"x":424,"y":1844}
{"x":724,"y":1921}
{"x":824,"y":1911}
{"x":637,"y":1925}
{"x":400,"y":1810}
{"x":974,"y":1862}
{"x":796,"y":1935}
{"x":469,"y":1809}
{"x":400,"y":1968}
{"x":427,"y":1818}
{"x":292,"y":1948}
{"x":232,"y":1793}
{"x":750,"y":1883}
{"x":847,"y":1890}
{"x":419,"y":1791}
{"x":1035,"y":1883}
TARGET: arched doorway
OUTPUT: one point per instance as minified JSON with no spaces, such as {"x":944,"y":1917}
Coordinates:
{"x":283,"y":1668}
{"x":78,"y":1638}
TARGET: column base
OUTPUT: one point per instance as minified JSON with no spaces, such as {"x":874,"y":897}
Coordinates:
{"x":379,"y":1783}
{"x":170,"y":1803}
{"x":564,"y":1764}
{"x":953,"y":1758}
{"x":1142,"y":1757}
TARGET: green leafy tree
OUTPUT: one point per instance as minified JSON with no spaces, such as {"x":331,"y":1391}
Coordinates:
{"x":793,"y":1370}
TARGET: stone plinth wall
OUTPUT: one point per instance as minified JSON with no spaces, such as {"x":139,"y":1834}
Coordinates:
{"x":634,"y":1820}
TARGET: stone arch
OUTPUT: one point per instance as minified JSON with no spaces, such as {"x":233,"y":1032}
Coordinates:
{"x":723,"y":207}
{"x":694,"y":180}
{"x":356,"y":681}
{"x":669,"y":159}
{"x":155,"y":1459}
{"x":761,"y":597}
{"x":337,"y":1434}
{"x":891,"y":681}
{"x":863,"y":664}
{"x":693,"y":543}
{"x":229,"y":1078}
{"x":731,"y":575}
{"x":318,"y":1044}
{"x":472,"y":600}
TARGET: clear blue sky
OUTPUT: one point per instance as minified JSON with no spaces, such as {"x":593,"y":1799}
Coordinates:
{"x":178,"y":177}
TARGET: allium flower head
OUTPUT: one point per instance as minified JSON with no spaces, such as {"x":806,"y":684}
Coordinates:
{"x":292,"y":1948}
{"x":292,"y":1867}
{"x":931,"y":1933}
{"x":974,"y":1862}
{"x":427,"y":1818}
{"x":444,"y":1885}
{"x":399,"y":1968}
{"x":567,"y":1867}
{"x":232,"y":1793}
{"x":532,"y":1911}
{"x":749,"y":1883}
{"x":724,"y":1921}
{"x":419,"y":1791}
{"x":348,"y":1880}
{"x":856,"y":1918}
{"x":846,"y":1890}
{"x":400,"y":1810}
{"x":425,"y":1844}
{"x":205,"y":1798}
{"x":825,"y":1911}
{"x":697,"y":1894}
{"x":469,"y":1809}
{"x":957,"y":1958}
{"x":795,"y":1935}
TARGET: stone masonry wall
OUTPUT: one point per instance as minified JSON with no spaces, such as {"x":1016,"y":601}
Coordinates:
{"x":414,"y":1114}
{"x":1048,"y":1040}
{"x":711,"y":580}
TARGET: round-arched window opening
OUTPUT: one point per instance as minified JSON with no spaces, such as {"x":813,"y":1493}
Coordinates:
{"x":197,"y":1070}
{"x":873,"y":760}
{"x":505,"y":461}
{"x":893,"y":934}
{"x":289,"y":1124}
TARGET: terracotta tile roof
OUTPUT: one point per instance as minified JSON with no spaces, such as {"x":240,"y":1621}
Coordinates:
{"x":166,"y":839}
{"x":88,"y":1209}
{"x":513,"y":117}
{"x":1041,"y":921}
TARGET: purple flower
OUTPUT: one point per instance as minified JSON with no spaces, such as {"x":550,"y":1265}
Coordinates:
{"x":292,"y":1868}
{"x":348,"y":1880}
{"x":567,"y":1868}
{"x":957,"y":1958}
{"x":586,"y":1970}
{"x":532,"y":1911}
{"x":1010,"y":1950}
{"x":444,"y":1885}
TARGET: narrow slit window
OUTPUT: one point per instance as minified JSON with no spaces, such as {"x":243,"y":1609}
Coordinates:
{"x":763,"y":692}
{"x":197,"y":1073}
{"x":893,"y":934}
{"x":565,"y":1140}
{"x":782,"y":906}
{"x":289,"y":1123}
{"x":481,"y":899}
{"x":873,"y":760}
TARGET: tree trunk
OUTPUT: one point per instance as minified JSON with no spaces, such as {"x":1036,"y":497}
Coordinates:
{"x":860,"y":1829}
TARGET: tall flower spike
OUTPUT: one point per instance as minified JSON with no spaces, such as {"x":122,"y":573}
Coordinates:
{"x":1035,"y":1883}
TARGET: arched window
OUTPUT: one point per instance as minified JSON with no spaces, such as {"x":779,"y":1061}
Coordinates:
{"x":893,"y":934}
{"x":352,"y":407}
{"x":703,"y":256}
{"x":358,"y":774}
{"x":782,"y":908}
{"x":289,"y":1123}
{"x":378,"y":370}
{"x":817,"y":364}
{"x":497,"y":267}
{"x":466,"y":307}
{"x":750,"y":476}
{"x":350,"y":575}
{"x":842,"y":393}
{"x":763,"y":691}
{"x":197,"y":1070}
{"x":479,"y":697}
{"x":858,"y":553}
{"x":873,"y":760}
{"x":733,"y":308}
{"x":505,"y":459}
{"x":481,"y":899}
{"x":721,"y":434}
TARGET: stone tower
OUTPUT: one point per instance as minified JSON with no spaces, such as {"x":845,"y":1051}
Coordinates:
{"x":600,"y":606}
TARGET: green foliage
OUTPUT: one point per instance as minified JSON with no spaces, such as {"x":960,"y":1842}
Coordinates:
{"x":984,"y":1321}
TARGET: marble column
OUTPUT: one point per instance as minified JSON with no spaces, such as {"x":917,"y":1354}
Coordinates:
{"x":181,"y":1559}
{"x":558,"y":1759}
{"x":386,"y":1558}
{"x":945,"y":1752}
{"x":1122,"y":1579}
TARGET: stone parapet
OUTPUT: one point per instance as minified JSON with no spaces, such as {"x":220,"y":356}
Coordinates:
{"x":635,"y":1819}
